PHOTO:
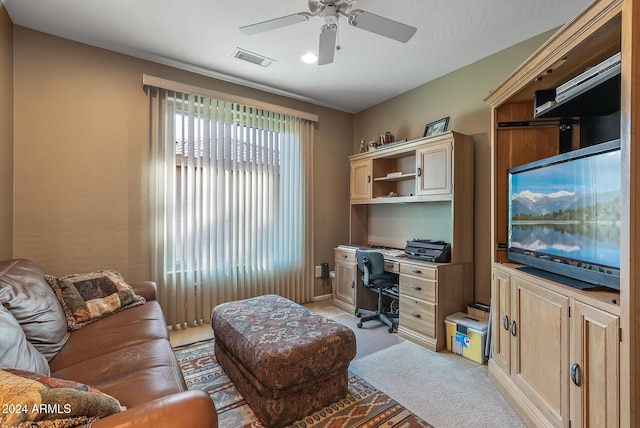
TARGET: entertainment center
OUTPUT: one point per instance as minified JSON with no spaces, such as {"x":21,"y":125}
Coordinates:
{"x":563,"y":207}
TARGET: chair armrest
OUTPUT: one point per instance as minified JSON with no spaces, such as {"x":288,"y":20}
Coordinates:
{"x":146,"y":289}
{"x":188,"y":409}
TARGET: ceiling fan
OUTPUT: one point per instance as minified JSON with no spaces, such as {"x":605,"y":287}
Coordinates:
{"x":330,"y":11}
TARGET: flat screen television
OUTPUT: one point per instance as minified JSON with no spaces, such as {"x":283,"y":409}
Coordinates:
{"x":564,"y":217}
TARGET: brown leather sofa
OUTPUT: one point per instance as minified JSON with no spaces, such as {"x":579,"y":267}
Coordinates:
{"x":126,"y":355}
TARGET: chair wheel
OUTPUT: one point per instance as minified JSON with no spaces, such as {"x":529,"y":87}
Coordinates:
{"x":360,"y":325}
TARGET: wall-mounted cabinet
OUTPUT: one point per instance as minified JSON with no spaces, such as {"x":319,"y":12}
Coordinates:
{"x":434,"y":169}
{"x":437,"y":169}
{"x":422,"y":170}
{"x":361,"y":180}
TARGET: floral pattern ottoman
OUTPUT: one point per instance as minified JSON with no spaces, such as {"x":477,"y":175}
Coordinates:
{"x":285,"y":360}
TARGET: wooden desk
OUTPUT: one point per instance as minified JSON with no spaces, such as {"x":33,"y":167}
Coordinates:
{"x":428,"y":293}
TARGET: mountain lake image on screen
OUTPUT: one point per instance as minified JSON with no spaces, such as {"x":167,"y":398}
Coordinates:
{"x":564,"y":215}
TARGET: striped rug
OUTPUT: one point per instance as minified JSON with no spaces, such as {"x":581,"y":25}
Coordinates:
{"x":363,"y":407}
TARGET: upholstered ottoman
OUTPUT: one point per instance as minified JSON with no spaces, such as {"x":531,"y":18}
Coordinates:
{"x":285,"y":360}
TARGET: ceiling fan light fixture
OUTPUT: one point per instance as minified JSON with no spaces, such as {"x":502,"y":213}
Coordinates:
{"x":309,"y":58}
{"x":329,"y":11}
{"x":330,"y":14}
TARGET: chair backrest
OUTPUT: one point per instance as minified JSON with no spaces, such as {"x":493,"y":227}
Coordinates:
{"x":370,"y":263}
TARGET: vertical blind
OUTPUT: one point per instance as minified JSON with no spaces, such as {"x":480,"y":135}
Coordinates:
{"x":231,"y":203}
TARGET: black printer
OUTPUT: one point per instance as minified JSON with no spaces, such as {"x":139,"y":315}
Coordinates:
{"x":428,"y":250}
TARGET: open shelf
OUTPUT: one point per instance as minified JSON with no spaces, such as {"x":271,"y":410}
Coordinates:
{"x":599,"y":96}
{"x":403,"y":177}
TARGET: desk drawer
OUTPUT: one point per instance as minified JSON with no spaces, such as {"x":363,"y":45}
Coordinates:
{"x":346,"y":256}
{"x":424,"y":289}
{"x":418,"y":315}
{"x":420,"y":271}
{"x":391,"y":266}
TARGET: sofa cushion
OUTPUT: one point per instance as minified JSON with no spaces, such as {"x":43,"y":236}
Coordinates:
{"x":88,"y":297}
{"x":28,"y":396}
{"x":135,"y":325}
{"x":15,"y":350}
{"x":30,"y":299}
{"x":134,"y":375}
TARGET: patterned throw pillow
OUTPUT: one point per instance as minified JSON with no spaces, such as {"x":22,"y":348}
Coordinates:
{"x":33,"y":400}
{"x":88,"y":297}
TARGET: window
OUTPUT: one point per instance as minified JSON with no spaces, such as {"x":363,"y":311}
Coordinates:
{"x":232,"y":203}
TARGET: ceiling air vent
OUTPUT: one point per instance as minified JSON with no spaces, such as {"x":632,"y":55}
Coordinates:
{"x":251,"y":57}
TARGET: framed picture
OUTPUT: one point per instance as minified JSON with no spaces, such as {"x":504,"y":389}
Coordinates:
{"x":436,"y":127}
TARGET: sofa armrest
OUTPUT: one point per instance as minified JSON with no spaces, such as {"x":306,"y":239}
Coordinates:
{"x":188,"y":409}
{"x":146,"y":289}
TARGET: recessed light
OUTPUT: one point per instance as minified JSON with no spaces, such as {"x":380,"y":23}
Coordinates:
{"x":309,"y":58}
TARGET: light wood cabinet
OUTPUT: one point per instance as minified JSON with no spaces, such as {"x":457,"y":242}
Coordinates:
{"x":594,"y":371}
{"x":423,"y":170}
{"x":361,"y":179}
{"x":604,"y":332}
{"x":434,"y":169}
{"x":344,"y":289}
{"x":418,"y":308}
{"x":429,"y":292}
{"x":554,"y":356}
{"x":500,"y":319}
{"x":433,"y":172}
{"x":539,"y":330}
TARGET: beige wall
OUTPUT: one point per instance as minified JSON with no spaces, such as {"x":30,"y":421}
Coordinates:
{"x":459,"y":95}
{"x":80,"y":153}
{"x":80,"y":147}
{"x":6,"y":135}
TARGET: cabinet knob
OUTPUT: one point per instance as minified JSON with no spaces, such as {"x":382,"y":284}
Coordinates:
{"x":353,"y":284}
{"x":512,"y":328}
{"x":418,"y":271}
{"x":505,"y":322}
{"x":415,"y":287}
{"x":575,"y":374}
{"x":413,"y":314}
{"x":419,"y":172}
{"x":368,"y":179}
{"x":344,"y":256}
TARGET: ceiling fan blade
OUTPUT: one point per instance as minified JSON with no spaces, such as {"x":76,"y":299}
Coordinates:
{"x":272,"y":24}
{"x":380,"y":25}
{"x":327,"y":44}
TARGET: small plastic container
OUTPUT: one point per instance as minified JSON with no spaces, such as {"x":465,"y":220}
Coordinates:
{"x":466,"y":336}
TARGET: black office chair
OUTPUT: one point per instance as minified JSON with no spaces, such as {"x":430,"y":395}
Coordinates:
{"x":371,"y":263}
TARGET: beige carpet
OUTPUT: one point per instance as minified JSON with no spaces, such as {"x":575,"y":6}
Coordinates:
{"x":372,"y":337}
{"x":443,"y":388}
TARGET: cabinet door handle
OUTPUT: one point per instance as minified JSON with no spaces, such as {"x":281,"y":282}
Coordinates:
{"x":368,"y":179}
{"x":353,"y":284}
{"x":419,"y":172}
{"x":415,"y":287}
{"x":413,"y":314}
{"x":512,"y":328}
{"x":575,"y":374}
{"x":505,"y":322}
{"x":416,"y":271}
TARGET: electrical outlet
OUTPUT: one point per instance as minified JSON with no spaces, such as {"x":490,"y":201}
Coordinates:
{"x":318,"y":271}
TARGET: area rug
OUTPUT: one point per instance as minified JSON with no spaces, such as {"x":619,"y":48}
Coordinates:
{"x":363,"y":407}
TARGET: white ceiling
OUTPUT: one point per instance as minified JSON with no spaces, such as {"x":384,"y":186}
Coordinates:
{"x":201,"y":35}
